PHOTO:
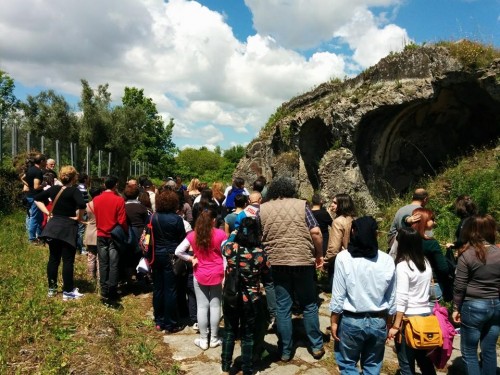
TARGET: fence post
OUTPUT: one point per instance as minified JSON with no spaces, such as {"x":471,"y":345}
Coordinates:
{"x":71,"y":152}
{"x":87,"y":160}
{"x":130,"y":168}
{"x":58,"y":163}
{"x":14,"y":141}
{"x":28,"y":141}
{"x":109,"y":163}
{"x":75,"y":150}
{"x":99,"y":165}
{"x":135,"y":167}
{"x":42,"y":144}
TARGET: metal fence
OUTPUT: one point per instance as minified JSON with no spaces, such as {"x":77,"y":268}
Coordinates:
{"x":94,"y":162}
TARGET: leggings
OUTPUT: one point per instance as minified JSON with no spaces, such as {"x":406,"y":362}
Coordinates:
{"x":208,"y":301}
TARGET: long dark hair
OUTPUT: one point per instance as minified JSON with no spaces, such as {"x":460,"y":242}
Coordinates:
{"x":248,"y":234}
{"x":477,"y":230}
{"x":203,"y":227}
{"x":410,"y":248}
{"x":345,"y":205}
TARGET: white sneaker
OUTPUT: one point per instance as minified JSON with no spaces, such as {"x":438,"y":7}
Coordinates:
{"x":202,"y":344}
{"x":215,"y":342}
{"x":195,"y":327}
{"x":74,"y":294}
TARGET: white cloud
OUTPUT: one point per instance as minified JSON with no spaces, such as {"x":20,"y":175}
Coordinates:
{"x":369,"y":42}
{"x":305,"y":23}
{"x":185,"y":56}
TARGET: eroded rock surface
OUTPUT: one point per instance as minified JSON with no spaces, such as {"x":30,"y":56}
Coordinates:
{"x":378,"y":134}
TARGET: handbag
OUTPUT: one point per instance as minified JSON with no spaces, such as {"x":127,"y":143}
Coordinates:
{"x":179,"y":266}
{"x":146,"y":242}
{"x":143,"y":266}
{"x":423,"y":332}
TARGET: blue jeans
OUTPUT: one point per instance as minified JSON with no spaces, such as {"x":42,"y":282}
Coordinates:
{"x":298,"y":281}
{"x":109,"y":259}
{"x":268,"y":282}
{"x":407,"y":357}
{"x":480,"y":325}
{"x":34,"y":220}
{"x":361,"y":339}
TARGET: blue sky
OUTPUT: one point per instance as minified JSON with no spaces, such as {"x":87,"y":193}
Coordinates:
{"x":219,"y":67}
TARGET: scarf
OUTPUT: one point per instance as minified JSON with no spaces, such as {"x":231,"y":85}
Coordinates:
{"x":363,"y":242}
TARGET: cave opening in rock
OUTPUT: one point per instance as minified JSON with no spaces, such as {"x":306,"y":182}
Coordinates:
{"x":315,"y":140}
{"x":398,"y":145}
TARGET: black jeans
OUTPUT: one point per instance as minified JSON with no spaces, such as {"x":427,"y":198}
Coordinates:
{"x":109,"y":273}
{"x":164,"y":292}
{"x":60,"y":249}
{"x":247,"y":319}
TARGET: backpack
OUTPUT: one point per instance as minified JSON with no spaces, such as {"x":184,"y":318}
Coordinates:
{"x":232,"y":295}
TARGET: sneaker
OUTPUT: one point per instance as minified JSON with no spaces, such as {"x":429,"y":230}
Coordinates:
{"x":74,"y":294}
{"x":84,"y":252}
{"x":195,"y":328}
{"x":52,"y":293}
{"x":215,"y":342}
{"x":202,"y":344}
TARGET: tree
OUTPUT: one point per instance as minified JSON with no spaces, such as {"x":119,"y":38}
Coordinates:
{"x":234,"y":154}
{"x":49,"y":115}
{"x":8,"y":103}
{"x":95,"y":124}
{"x":197,"y":163}
{"x":154,"y":145}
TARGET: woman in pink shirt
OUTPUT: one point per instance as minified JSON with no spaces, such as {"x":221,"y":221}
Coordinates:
{"x":208,"y":271}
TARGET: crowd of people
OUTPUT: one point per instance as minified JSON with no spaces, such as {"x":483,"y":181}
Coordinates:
{"x":270,"y":245}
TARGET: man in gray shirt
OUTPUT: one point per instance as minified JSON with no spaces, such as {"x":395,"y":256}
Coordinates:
{"x":419,"y":199}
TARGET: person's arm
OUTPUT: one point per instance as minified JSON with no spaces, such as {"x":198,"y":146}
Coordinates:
{"x":334,"y":240}
{"x":460,"y":287}
{"x":317,"y":239}
{"x":182,"y":250}
{"x":122,"y":216}
{"x":396,"y":325}
{"x":339,"y":294}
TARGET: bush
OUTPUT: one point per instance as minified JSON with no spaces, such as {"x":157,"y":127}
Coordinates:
{"x":10,"y":188}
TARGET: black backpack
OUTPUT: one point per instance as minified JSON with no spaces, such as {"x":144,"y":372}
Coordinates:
{"x":232,"y":295}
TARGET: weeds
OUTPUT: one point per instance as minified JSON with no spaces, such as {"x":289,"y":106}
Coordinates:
{"x":472,"y":54}
{"x":41,"y":335}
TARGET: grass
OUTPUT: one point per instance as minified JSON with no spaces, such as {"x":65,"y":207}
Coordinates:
{"x":476,"y":175}
{"x":39,"y":335}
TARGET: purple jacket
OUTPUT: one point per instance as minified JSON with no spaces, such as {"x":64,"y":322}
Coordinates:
{"x":441,"y":355}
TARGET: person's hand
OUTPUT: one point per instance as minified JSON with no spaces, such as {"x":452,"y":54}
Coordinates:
{"x":456,"y":317}
{"x":413,"y":219}
{"x":335,"y":328}
{"x":194,"y":261}
{"x":449,"y":245}
{"x":319,"y":262}
{"x":392,"y":333}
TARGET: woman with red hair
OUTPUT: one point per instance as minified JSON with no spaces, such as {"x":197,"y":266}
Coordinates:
{"x":441,"y":274}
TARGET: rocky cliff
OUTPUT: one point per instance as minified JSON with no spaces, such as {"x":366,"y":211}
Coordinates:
{"x":378,"y":134}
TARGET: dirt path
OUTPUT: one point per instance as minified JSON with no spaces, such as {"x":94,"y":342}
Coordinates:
{"x":193,"y":360}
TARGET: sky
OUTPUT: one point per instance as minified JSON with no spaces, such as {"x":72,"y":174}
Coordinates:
{"x":219,"y":68}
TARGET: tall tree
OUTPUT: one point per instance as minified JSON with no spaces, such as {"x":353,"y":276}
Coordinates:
{"x":95,"y":124}
{"x":8,"y":103}
{"x":234,"y":154}
{"x":154,"y":144}
{"x":50,"y":115}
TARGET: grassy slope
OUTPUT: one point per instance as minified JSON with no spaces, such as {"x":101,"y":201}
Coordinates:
{"x":477,"y":175}
{"x":49,"y":336}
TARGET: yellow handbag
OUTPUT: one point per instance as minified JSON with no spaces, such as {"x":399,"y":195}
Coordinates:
{"x":423,"y":332}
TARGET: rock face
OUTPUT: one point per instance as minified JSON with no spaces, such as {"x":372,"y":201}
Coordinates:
{"x":378,"y":134}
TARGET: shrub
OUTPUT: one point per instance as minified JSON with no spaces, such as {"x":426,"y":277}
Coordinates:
{"x":472,"y":54}
{"x":10,"y":188}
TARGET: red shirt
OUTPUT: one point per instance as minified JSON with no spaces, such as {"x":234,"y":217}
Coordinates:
{"x":109,"y":210}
